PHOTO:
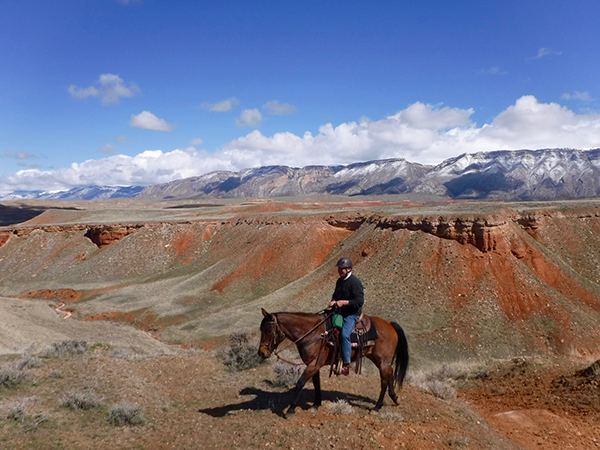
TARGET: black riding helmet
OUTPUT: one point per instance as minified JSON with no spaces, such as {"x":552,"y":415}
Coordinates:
{"x":344,"y":263}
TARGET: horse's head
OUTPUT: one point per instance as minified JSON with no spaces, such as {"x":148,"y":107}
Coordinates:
{"x":271,"y":334}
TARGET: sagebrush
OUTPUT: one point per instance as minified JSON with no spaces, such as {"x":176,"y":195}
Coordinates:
{"x":285,"y":374}
{"x":86,"y":399}
{"x":63,"y":348}
{"x":240,"y":354}
{"x":126,"y":413}
{"x":10,"y":378}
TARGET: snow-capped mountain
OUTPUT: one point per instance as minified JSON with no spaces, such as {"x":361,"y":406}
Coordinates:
{"x":517,"y":175}
{"x":79,"y":193}
{"x":500,"y":175}
{"x":376,"y":177}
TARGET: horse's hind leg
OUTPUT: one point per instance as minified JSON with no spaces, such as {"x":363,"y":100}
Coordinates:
{"x":387,"y":379}
{"x":391,"y":389}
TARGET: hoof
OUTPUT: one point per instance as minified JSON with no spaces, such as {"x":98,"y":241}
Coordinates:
{"x":313,"y":409}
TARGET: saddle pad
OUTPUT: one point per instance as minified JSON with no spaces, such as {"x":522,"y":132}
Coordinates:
{"x":371,"y":335}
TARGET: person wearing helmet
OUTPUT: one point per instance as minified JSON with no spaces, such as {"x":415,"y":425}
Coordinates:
{"x":349,"y":297}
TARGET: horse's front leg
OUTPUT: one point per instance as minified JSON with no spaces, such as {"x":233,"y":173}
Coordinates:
{"x":310,"y":371}
{"x":316,"y":379}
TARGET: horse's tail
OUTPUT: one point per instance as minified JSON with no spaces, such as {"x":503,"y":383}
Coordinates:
{"x":401,"y":357}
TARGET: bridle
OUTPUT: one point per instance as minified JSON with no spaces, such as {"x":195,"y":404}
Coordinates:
{"x":278,"y":336}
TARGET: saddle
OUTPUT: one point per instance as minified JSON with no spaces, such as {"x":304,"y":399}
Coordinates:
{"x":362,"y":337}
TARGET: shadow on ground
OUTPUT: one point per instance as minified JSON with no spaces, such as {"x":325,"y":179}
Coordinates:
{"x":12,"y":215}
{"x":277,"y":402}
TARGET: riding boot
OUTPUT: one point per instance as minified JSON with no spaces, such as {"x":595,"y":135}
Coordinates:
{"x":346,"y":369}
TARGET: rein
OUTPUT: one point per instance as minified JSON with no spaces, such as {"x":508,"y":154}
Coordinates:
{"x":320,"y":337}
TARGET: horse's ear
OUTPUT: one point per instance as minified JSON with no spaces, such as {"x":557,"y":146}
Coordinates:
{"x":264,"y":312}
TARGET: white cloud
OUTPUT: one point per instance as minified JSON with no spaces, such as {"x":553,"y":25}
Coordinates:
{"x":279,"y":109}
{"x":149,"y":121}
{"x":420,"y":133}
{"x":107,"y":149}
{"x":249,"y":118}
{"x":149,"y":167}
{"x":222,"y":106}
{"x":583,"y":96}
{"x":109,"y":88}
{"x":545,"y":51}
{"x":196,"y":141}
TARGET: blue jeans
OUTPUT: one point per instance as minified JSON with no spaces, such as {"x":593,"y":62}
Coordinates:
{"x":349,"y":323}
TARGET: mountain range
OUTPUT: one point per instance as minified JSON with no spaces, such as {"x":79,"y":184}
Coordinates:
{"x":549,"y":174}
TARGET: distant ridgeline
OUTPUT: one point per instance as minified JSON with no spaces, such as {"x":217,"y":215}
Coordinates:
{"x":551,"y":174}
{"x":500,"y":175}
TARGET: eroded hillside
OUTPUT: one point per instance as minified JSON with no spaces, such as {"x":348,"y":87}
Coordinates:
{"x":463,"y":279}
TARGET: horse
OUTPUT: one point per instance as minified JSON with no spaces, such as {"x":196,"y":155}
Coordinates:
{"x":308,"y":332}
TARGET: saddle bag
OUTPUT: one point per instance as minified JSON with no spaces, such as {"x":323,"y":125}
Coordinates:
{"x":337,"y":320}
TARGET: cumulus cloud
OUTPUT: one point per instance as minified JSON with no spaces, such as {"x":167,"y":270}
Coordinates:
{"x":222,"y":106}
{"x":583,"y":96}
{"x":196,"y":141}
{"x":148,"y":167}
{"x":249,"y":118}
{"x":109,"y":89}
{"x":279,"y":109}
{"x":149,"y":121}
{"x":419,"y":133}
{"x":545,"y":51}
{"x":422,"y":133}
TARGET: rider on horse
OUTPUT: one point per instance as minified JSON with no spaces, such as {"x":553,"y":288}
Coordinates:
{"x":349,"y":297}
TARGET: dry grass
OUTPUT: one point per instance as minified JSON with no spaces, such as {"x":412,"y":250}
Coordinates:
{"x":341,"y":407}
{"x":285,"y":374}
{"x":29,"y":362}
{"x":441,"y":381}
{"x":10,"y":378}
{"x":62,"y":348}
{"x":126,"y":413}
{"x":86,"y":399}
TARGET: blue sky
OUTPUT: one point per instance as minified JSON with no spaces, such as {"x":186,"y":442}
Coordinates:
{"x":121,"y":92}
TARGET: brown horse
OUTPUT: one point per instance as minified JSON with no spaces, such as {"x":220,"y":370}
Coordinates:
{"x":307,"y":331}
